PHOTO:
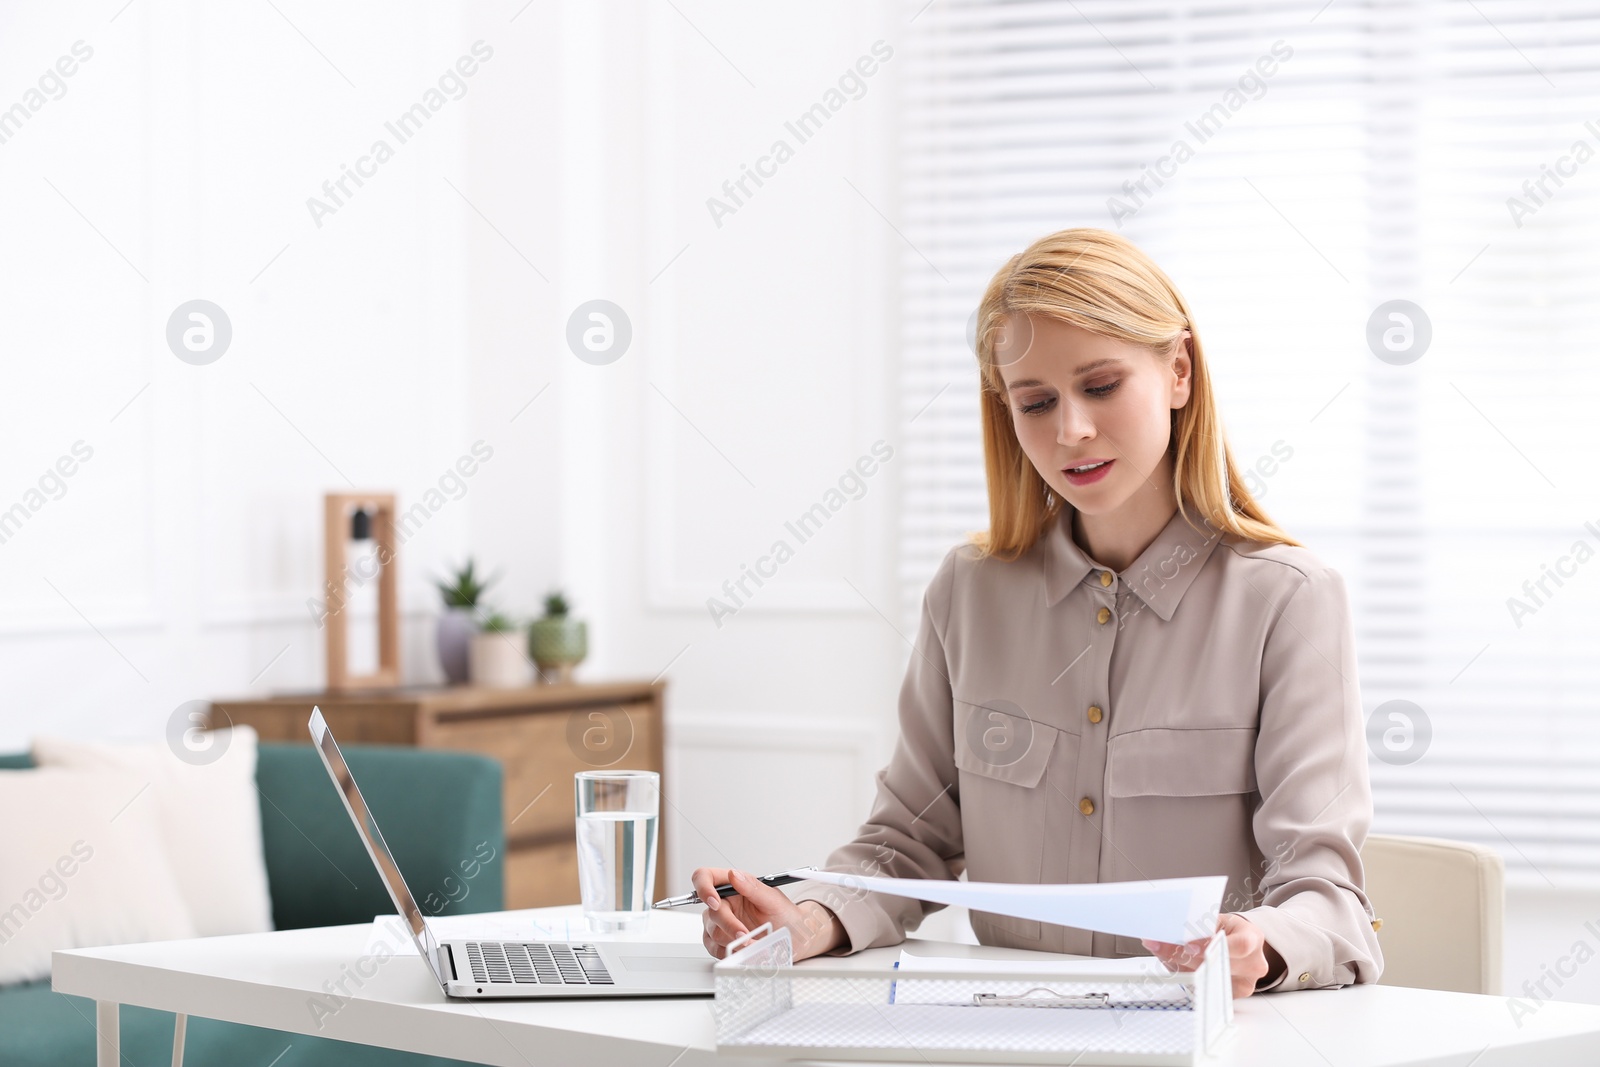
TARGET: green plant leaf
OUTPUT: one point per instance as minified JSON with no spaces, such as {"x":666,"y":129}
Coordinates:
{"x":497,"y":623}
{"x":465,"y":588}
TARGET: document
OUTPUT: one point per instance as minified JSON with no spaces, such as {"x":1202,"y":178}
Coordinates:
{"x":1130,"y":967}
{"x":1162,"y":909}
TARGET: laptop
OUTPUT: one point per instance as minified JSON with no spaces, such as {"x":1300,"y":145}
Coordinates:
{"x":484,"y":968}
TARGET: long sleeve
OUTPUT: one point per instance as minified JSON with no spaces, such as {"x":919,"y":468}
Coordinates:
{"x":1197,"y":713}
{"x":1316,"y":801}
{"x":914,"y":829}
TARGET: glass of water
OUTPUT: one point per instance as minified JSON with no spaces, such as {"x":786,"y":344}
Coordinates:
{"x":617,"y":817}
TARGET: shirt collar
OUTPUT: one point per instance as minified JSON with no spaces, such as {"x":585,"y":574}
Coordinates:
{"x":1159,"y":577}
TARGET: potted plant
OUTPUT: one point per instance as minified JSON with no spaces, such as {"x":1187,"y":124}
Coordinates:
{"x":458,"y":623}
{"x":557,"y":642}
{"x":495,"y":657}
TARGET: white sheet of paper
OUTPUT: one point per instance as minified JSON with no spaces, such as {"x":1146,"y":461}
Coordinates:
{"x":1129,"y":966}
{"x":1163,"y":909}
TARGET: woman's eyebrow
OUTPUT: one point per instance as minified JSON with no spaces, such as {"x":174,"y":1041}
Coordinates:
{"x":1023,"y":383}
{"x":1096,"y":365}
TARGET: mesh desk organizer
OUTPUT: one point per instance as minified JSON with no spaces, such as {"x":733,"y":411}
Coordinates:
{"x":767,"y":1005}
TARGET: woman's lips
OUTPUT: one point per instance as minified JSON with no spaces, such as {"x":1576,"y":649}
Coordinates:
{"x":1089,"y":477}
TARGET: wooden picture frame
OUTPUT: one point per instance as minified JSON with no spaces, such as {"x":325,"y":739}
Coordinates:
{"x":337,"y":511}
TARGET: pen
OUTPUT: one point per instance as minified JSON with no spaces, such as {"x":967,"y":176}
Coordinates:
{"x":774,"y":880}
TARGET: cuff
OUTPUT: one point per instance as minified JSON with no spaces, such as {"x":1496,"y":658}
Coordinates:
{"x":1308,"y":963}
{"x":853,"y":910}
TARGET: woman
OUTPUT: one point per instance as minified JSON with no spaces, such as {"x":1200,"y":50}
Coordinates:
{"x":1133,"y":674}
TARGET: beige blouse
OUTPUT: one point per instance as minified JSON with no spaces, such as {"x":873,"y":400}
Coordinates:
{"x":1195,"y":714}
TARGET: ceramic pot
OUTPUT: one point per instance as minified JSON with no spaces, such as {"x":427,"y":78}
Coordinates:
{"x":495,"y":661}
{"x":455,"y":635}
{"x":557,"y":644}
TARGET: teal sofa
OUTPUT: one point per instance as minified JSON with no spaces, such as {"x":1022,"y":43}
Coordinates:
{"x":434,"y":807}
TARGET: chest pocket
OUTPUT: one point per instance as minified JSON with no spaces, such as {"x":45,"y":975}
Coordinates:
{"x":1181,"y":763}
{"x":998,"y":741}
{"x":1003,"y":755}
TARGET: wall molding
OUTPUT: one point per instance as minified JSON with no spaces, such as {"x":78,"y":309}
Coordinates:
{"x":666,"y":588}
{"x":847,"y":750}
{"x":283,"y":609}
{"x":67,"y":623}
{"x":734,"y":731}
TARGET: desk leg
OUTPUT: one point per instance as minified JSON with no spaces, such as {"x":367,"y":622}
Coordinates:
{"x":108,"y":1026}
{"x":180,"y":1027}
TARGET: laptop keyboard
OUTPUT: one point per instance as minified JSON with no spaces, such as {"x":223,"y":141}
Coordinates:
{"x":535,"y":963}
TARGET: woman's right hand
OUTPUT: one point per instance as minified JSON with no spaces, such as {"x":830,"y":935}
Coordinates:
{"x":813,"y":929}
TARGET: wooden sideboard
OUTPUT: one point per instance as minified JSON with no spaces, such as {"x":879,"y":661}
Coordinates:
{"x":541,"y":735}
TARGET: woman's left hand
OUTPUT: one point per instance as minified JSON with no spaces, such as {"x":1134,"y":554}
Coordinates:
{"x":1250,"y":958}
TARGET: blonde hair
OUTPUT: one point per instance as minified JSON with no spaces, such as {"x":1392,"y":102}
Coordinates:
{"x":1101,"y":282}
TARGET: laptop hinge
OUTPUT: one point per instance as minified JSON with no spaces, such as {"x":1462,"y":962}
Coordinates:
{"x":447,"y":962}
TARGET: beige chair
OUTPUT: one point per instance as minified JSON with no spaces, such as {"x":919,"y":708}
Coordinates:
{"x":1441,"y":907}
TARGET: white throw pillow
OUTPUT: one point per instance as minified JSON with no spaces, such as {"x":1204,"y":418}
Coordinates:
{"x":210,"y":818}
{"x":82,"y":864}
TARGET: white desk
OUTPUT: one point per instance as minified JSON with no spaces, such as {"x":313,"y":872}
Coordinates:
{"x":273,"y":980}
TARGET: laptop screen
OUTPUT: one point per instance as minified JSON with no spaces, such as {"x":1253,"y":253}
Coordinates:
{"x":372,"y":837}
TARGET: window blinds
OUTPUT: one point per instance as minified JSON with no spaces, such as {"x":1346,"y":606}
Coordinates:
{"x":1435,"y":152}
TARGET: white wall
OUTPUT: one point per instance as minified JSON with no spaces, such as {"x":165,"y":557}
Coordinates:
{"x":1552,"y":946}
{"x":422,"y":316}
{"x":759,"y":370}
{"x":178,"y":563}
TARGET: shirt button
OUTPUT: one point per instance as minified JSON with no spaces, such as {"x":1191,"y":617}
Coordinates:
{"x":1305,"y":976}
{"x":1105,"y":577}
{"x":1095,"y":714}
{"x":1103,"y":615}
{"x":1086,"y":806}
